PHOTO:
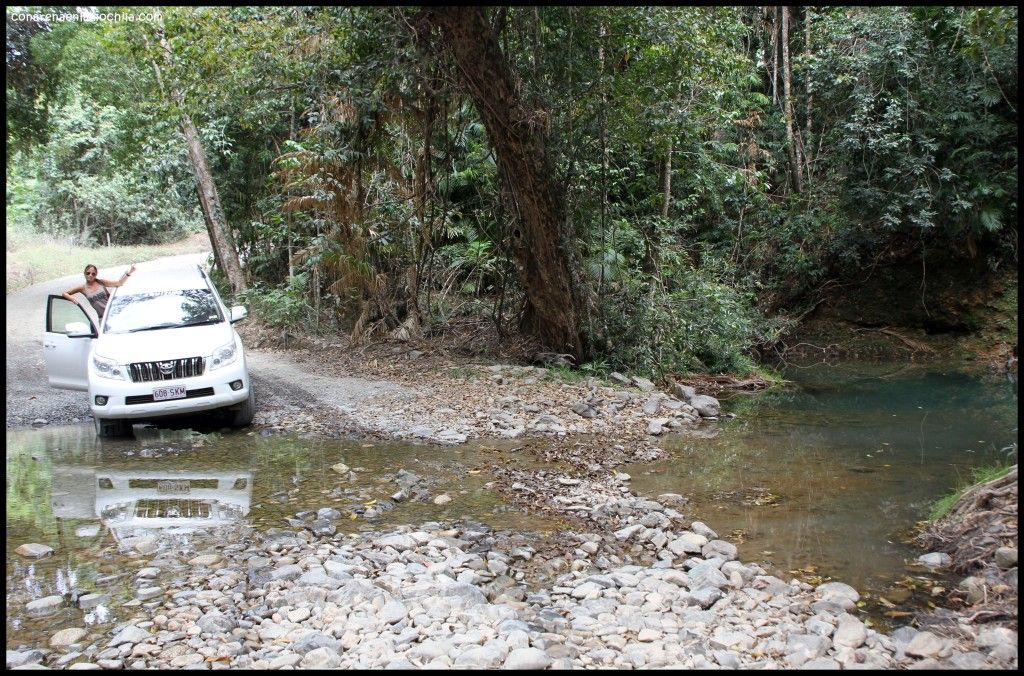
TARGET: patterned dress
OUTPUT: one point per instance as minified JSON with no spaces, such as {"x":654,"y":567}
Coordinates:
{"x":98,"y":300}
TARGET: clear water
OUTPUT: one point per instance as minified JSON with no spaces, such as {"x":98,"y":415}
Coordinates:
{"x":84,"y":496}
{"x":835,"y":470}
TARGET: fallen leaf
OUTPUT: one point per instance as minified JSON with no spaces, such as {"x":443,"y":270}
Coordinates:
{"x":898,"y":613}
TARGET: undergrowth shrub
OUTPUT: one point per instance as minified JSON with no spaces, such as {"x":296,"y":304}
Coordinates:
{"x":285,"y":305}
{"x":690,"y":323}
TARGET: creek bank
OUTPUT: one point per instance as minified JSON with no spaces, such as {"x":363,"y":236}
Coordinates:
{"x":658,"y":591}
{"x":441,"y":401}
{"x":978,"y":540}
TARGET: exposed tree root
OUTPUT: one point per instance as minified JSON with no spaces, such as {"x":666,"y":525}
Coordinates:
{"x":982,"y":520}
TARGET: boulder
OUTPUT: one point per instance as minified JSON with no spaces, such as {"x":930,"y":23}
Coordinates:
{"x":707,"y":407}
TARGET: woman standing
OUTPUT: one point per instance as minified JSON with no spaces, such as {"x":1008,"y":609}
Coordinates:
{"x":95,"y":290}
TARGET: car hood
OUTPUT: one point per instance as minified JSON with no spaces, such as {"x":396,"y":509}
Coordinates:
{"x":164,"y":344}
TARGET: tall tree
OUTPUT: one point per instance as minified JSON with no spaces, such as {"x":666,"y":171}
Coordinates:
{"x":220,"y":235}
{"x":542,"y":245}
{"x":792,"y":142}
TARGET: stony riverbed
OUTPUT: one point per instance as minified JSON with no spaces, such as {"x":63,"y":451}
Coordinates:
{"x":628,"y":582}
{"x":649,"y":590}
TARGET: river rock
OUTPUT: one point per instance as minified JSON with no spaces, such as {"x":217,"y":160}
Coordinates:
{"x":17,"y":658}
{"x":399,"y":542}
{"x":657,"y":426}
{"x":1006,"y":557}
{"x":287,"y":572}
{"x":935,"y":559}
{"x":719,"y":548}
{"x":147,"y":593}
{"x":67,"y":637}
{"x":707,"y":574}
{"x":925,"y":644}
{"x":44,"y":606}
{"x":644,"y":384}
{"x":89,"y":601}
{"x":216,"y":623}
{"x":322,"y":527}
{"x":584,"y":410}
{"x":527,"y":658}
{"x":683,"y":392}
{"x":130,"y":634}
{"x":838,"y":592}
{"x":480,"y":657}
{"x":701,"y":528}
{"x":997,"y":636}
{"x":618,"y":378}
{"x":850,"y":633}
{"x":393,"y":611}
{"x":34,"y":550}
{"x":206,"y":560}
{"x":800,"y":648}
{"x":320,"y":658}
{"x":707,"y":407}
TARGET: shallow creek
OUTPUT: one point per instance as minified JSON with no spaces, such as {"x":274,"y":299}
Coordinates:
{"x":828,"y":476}
{"x":822,"y":476}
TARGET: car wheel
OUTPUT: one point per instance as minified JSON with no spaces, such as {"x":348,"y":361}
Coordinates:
{"x":243,"y":415}
{"x":112,"y":428}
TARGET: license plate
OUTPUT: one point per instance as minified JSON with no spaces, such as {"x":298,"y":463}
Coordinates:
{"x":173,"y":487}
{"x":165,"y":393}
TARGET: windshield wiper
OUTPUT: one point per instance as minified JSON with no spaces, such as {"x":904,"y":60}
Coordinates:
{"x":154,"y":328}
{"x":203,"y":323}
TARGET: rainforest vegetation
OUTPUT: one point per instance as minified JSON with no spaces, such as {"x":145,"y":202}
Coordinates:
{"x":662,"y":189}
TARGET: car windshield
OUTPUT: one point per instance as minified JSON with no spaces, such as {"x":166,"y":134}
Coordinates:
{"x":161,"y":310}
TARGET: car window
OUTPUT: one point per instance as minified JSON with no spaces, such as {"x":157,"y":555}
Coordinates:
{"x":62,"y":313}
{"x":160,"y":310}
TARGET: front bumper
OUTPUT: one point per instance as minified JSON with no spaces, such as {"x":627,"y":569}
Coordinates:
{"x":133,"y":401}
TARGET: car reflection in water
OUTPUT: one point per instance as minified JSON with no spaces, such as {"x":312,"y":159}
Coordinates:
{"x":129,"y":502}
{"x":158,"y":495}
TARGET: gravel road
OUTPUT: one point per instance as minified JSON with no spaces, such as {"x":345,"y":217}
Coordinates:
{"x":282,"y":386}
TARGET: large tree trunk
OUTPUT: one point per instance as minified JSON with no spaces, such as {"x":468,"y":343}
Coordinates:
{"x":220,"y":236}
{"x":542,"y":246}
{"x":223,"y":243}
{"x":808,"y":141}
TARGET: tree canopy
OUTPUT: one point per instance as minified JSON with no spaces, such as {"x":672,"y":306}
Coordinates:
{"x":664,"y":188}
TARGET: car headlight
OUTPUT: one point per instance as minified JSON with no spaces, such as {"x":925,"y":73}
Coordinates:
{"x":108,"y":368}
{"x":222,"y":356}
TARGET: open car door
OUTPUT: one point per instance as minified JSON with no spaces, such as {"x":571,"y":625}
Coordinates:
{"x":67,"y":342}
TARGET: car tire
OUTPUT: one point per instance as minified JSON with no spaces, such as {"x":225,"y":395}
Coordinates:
{"x":109,"y":429}
{"x":243,"y":415}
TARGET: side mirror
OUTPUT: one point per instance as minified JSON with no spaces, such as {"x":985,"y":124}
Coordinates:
{"x":77,"y":330}
{"x":238,"y":313}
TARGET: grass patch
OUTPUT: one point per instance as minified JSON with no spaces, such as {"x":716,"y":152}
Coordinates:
{"x":979,"y":475}
{"x":33,"y":257}
{"x":567,"y":374}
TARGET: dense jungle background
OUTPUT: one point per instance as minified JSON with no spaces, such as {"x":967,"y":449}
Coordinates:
{"x":659,"y":189}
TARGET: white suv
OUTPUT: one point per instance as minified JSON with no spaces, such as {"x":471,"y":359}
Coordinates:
{"x":166,"y":346}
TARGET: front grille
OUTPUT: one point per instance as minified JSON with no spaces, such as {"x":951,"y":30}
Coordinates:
{"x":146,"y":371}
{"x":175,"y":508}
{"x":189,"y":394}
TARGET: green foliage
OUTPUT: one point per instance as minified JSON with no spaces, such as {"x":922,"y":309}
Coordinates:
{"x":979,"y":475}
{"x":284,"y":305}
{"x":690,"y":323}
